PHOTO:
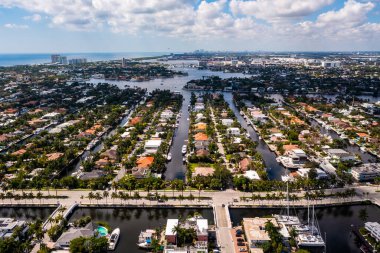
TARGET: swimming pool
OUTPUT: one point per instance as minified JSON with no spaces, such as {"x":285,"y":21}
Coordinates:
{"x":102,"y":231}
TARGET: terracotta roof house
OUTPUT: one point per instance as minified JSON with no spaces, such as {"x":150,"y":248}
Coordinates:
{"x":4,"y":137}
{"x":362,"y":135}
{"x":203,"y":171}
{"x":145,"y":161}
{"x":19,"y":152}
{"x":201,"y":137}
{"x":290,"y":147}
{"x":135,"y":120}
{"x":54,"y":156}
{"x":200,"y":126}
{"x":244,"y":164}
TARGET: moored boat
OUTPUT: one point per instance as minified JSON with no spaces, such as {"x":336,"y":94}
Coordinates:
{"x":145,"y":239}
{"x":113,"y":239}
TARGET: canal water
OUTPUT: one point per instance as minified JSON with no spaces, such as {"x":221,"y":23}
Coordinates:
{"x":132,"y":221}
{"x":274,"y":169}
{"x":176,"y":168}
{"x":26,"y":213}
{"x":334,"y":221}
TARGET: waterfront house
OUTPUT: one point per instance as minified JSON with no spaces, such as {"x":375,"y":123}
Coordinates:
{"x":170,"y":233}
{"x":200,"y":127}
{"x":203,"y":171}
{"x":199,"y":107}
{"x":254,"y":229}
{"x":200,"y":137}
{"x":140,"y":172}
{"x":152,"y":145}
{"x":304,"y":172}
{"x":94,"y":174}
{"x":145,"y":161}
{"x":374,"y":229}
{"x":340,"y":155}
{"x":64,"y":240}
{"x":297,"y":156}
{"x":366,"y":172}
{"x":9,"y":225}
{"x":252,"y":175}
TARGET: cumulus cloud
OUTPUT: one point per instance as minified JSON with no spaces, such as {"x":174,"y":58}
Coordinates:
{"x":345,"y":22}
{"x":275,"y":10}
{"x":200,"y":19}
{"x":15,"y":26}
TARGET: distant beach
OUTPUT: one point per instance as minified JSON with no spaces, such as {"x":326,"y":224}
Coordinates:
{"x":27,"y":59}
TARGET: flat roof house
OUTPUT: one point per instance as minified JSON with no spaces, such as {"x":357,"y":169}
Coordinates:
{"x":170,"y":234}
{"x":254,"y":229}
{"x":151,"y":146}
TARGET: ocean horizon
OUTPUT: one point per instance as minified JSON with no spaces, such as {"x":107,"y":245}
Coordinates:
{"x":13,"y":59}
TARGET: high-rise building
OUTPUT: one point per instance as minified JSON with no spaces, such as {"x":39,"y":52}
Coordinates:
{"x":55,"y":58}
{"x":63,"y":60}
{"x":77,"y":61}
{"x":124,"y":62}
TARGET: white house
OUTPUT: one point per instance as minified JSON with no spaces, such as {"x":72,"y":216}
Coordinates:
{"x":227,"y":122}
{"x":152,"y":145}
{"x":233,"y":131}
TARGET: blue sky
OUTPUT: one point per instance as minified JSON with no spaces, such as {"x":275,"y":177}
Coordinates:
{"x":32,"y":26}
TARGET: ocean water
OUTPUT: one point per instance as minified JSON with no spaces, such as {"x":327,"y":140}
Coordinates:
{"x":27,"y":59}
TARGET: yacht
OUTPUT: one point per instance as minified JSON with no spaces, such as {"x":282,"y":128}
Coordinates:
{"x":146,"y":238}
{"x":287,"y":219}
{"x":310,"y":240}
{"x":363,"y":149}
{"x":309,"y":235}
{"x":184,"y":149}
{"x":113,"y":239}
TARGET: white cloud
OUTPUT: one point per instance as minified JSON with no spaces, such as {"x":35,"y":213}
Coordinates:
{"x":15,"y":26}
{"x":34,"y":17}
{"x":201,"y":20}
{"x":275,"y":10}
{"x":348,"y":21}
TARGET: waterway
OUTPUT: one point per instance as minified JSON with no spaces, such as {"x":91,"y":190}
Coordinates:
{"x":132,"y":221}
{"x":334,"y":221}
{"x":274,"y":169}
{"x":176,"y":168}
{"x":26,"y":213}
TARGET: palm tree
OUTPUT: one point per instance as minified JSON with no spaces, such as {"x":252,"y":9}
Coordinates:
{"x":91,"y":196}
{"x":39,"y":196}
{"x":200,"y":187}
{"x":113,"y":197}
{"x":105,"y":195}
{"x":98,"y":197}
{"x":55,"y":185}
{"x":115,"y":185}
{"x":9,"y":195}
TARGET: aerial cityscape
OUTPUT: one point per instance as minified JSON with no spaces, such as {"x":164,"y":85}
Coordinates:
{"x":119,"y":134}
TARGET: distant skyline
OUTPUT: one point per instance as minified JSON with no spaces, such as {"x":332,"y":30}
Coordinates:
{"x":58,"y":26}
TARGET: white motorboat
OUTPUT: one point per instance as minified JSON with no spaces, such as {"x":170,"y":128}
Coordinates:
{"x":363,"y":149}
{"x":169,"y":158}
{"x":113,"y":239}
{"x":184,"y":148}
{"x":310,"y":240}
{"x":146,"y":238}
